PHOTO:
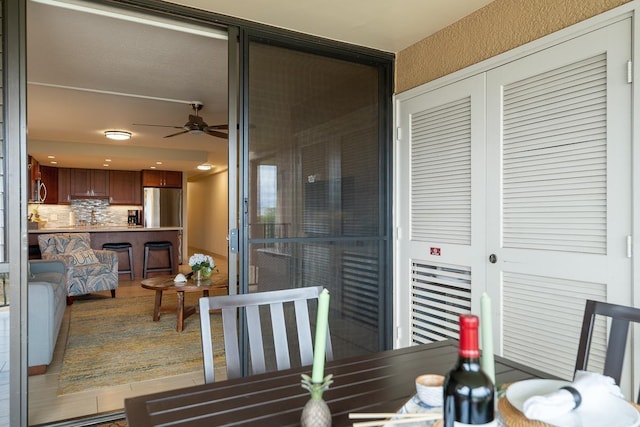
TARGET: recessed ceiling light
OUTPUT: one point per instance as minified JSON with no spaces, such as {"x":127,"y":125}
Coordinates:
{"x":51,"y":157}
{"x":158,"y":163}
{"x":54,"y":163}
{"x":105,"y":164}
{"x":118,"y":135}
{"x":107,"y":160}
{"x":152,"y":167}
{"x":205,"y":166}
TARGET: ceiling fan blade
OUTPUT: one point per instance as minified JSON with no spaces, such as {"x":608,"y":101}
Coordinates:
{"x":222,"y":127}
{"x":216,"y":133}
{"x":161,"y":126}
{"x":178,"y":133}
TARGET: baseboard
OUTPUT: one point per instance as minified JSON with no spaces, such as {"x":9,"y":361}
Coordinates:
{"x":37,"y":370}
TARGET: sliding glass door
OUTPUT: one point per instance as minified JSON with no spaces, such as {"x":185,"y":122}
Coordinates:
{"x":315,"y":184}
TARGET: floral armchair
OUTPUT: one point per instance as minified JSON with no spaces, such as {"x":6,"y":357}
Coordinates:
{"x":87,"y":270}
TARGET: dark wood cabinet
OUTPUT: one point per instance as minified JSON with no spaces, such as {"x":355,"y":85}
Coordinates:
{"x":156,"y":178}
{"x":89,"y":183}
{"x":64,"y":186}
{"x":49,"y":177}
{"x":125,"y":188}
{"x":34,"y":174}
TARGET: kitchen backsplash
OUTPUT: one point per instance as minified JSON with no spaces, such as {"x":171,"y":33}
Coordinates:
{"x":79,"y":213}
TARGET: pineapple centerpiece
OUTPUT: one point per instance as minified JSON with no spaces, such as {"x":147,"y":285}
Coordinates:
{"x":316,"y":412}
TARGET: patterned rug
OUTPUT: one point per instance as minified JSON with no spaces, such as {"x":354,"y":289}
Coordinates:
{"x":114,"y":341}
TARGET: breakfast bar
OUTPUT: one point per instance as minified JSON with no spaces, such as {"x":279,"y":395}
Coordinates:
{"x":137,"y":236}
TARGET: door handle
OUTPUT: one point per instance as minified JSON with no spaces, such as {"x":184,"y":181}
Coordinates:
{"x":493,"y":258}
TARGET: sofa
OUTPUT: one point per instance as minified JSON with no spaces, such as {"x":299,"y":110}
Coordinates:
{"x":46,"y":302}
{"x":87,"y":270}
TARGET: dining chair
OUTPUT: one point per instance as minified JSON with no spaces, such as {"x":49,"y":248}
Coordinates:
{"x":620,"y":317}
{"x":277,"y":302}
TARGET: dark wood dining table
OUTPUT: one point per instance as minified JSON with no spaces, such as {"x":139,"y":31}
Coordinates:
{"x":378,"y":382}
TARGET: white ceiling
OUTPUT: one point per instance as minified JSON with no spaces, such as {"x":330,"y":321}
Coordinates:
{"x":88,"y":73}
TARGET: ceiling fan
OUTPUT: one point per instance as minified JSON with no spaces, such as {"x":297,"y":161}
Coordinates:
{"x":196,"y":125}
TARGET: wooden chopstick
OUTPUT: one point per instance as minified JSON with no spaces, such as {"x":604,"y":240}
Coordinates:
{"x":372,"y":415}
{"x":400,"y":419}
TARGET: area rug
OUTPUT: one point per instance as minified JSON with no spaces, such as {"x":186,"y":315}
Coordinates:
{"x":114,"y":341}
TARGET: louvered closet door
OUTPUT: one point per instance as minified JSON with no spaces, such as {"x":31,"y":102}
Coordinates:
{"x":441,"y":221}
{"x":558,"y":194}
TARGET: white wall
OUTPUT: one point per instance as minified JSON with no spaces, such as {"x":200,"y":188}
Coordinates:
{"x":207,"y":213}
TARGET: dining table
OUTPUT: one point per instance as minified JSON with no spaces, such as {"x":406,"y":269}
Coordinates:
{"x":380,"y":382}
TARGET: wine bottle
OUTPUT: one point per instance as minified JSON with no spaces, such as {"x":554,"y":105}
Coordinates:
{"x":469,"y":397}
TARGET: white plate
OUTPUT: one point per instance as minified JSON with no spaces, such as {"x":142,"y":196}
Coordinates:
{"x":611,"y":412}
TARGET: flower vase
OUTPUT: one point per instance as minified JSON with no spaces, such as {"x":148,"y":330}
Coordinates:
{"x":197,"y":275}
{"x":206,"y":273}
{"x":316,"y":412}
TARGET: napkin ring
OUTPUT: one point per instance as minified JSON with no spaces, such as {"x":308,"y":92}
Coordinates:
{"x":575,"y":393}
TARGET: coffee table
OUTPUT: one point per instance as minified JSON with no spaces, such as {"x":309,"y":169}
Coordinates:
{"x":165,"y":283}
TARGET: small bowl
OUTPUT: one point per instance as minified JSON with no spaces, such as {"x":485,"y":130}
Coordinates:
{"x":429,"y":388}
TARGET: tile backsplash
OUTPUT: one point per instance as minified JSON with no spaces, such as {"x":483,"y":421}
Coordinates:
{"x":79,"y":213}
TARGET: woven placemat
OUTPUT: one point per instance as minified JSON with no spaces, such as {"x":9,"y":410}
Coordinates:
{"x":515,"y":418}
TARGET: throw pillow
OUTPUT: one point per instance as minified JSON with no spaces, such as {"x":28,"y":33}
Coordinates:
{"x":85,"y":257}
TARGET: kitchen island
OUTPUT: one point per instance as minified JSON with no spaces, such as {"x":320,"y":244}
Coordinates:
{"x":137,"y":236}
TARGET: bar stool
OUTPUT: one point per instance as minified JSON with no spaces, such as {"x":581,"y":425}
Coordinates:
{"x":121,"y":247}
{"x":157,"y":246}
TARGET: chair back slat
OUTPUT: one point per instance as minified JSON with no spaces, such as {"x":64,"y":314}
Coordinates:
{"x":620,"y":317}
{"x":615,"y":348}
{"x":207,"y":345}
{"x":256,"y":345}
{"x":276,"y":301}
{"x":280,"y":339}
{"x":232,"y":351}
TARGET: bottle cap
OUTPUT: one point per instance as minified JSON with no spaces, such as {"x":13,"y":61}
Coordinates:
{"x":469,"y":336}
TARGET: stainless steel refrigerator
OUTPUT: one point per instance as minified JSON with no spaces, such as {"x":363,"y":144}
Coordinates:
{"x":162,"y":207}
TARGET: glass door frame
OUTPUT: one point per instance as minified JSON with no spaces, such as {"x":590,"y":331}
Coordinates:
{"x":384,"y":64}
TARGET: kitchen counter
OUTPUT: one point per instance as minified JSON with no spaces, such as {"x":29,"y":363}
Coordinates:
{"x":99,"y":229}
{"x":137,"y":236}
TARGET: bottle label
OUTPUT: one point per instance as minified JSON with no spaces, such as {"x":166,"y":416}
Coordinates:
{"x":493,"y":423}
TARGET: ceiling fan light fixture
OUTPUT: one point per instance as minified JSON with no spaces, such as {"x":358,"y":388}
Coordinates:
{"x":205,"y":166}
{"x":118,"y":135}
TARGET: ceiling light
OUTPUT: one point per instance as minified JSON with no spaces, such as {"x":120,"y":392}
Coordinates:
{"x":118,"y":135}
{"x":205,"y":167}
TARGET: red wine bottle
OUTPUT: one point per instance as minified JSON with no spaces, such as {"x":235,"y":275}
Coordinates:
{"x":469,"y":397}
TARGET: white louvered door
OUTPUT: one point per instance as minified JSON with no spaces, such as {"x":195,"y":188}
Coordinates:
{"x":530,"y":162}
{"x":558,"y":194}
{"x":441,"y":177}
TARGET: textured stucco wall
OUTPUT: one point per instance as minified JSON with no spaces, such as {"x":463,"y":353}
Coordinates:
{"x":496,"y":28}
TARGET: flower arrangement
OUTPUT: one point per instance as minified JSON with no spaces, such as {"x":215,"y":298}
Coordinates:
{"x":200,"y":261}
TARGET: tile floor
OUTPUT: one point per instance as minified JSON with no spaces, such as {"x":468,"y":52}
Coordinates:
{"x":44,"y":404}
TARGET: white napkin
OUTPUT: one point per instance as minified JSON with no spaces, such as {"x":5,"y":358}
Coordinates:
{"x":591,"y":386}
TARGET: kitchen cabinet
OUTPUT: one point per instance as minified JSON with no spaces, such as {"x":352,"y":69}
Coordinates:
{"x":89,"y":183}
{"x":125,"y":187}
{"x":49,"y":177}
{"x":34,"y":174}
{"x":64,"y":186}
{"x":156,"y":178}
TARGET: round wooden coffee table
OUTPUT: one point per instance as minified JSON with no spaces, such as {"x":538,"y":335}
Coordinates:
{"x":165,"y":283}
